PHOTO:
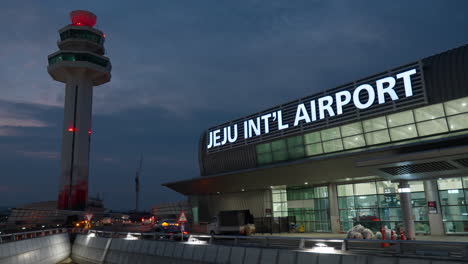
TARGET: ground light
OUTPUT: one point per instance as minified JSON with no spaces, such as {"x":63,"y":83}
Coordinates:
{"x":194,"y":241}
{"x":130,"y":237}
{"x":322,"y":248}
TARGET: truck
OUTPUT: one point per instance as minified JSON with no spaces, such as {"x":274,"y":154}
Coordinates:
{"x":232,"y":222}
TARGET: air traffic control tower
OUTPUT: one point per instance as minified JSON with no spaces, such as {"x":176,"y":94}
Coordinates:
{"x":79,"y":64}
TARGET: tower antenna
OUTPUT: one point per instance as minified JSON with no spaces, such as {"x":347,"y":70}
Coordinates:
{"x":137,"y":183}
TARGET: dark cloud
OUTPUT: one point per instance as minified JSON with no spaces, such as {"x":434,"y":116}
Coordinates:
{"x":182,"y":66}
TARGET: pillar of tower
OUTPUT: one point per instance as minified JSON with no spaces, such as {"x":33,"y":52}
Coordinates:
{"x":80,"y":65}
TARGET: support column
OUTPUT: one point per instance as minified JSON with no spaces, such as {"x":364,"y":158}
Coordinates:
{"x":334,"y":212}
{"x":435,"y":219}
{"x":407,"y":210}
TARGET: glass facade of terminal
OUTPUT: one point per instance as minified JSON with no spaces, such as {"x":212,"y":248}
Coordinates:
{"x":453,"y":195}
{"x":307,"y":206}
{"x":377,"y":203}
{"x":419,"y":124}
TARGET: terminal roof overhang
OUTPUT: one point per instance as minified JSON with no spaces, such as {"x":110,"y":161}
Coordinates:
{"x":413,"y":161}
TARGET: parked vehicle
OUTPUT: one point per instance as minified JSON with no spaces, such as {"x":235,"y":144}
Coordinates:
{"x":232,"y":222}
{"x":169,"y":228}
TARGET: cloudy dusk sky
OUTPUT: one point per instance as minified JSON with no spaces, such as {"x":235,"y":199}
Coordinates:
{"x":181,"y":66}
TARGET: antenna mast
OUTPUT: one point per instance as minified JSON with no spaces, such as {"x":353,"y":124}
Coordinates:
{"x":137,"y":183}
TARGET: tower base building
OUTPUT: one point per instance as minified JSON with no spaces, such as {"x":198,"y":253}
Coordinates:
{"x":390,"y":149}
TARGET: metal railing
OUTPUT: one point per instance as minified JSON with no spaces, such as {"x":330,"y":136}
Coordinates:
{"x":11,"y":237}
{"x":402,"y":248}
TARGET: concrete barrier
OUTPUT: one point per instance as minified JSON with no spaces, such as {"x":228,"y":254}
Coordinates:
{"x":93,"y":250}
{"x":42,"y":250}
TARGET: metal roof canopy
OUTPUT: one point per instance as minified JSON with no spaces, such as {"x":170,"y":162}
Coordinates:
{"x":418,"y":160}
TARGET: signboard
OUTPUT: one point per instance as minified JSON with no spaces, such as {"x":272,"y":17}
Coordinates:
{"x":182,"y":217}
{"x":88,"y":216}
{"x":397,"y":89}
{"x":432,"y":207}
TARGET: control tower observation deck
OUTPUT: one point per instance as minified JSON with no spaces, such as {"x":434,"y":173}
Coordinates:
{"x":79,"y":64}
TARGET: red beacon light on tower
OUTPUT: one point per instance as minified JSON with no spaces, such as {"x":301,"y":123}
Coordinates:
{"x":83,"y":18}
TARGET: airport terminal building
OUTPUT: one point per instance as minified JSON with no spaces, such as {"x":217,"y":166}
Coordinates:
{"x":349,"y":154}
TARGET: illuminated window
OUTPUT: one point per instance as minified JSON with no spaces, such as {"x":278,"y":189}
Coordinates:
{"x":356,"y":141}
{"x":399,"y":119}
{"x":456,"y":106}
{"x":432,"y":127}
{"x":330,"y":133}
{"x":314,"y":149}
{"x":377,"y":137}
{"x":403,"y":132}
{"x":375,"y":124}
{"x":313,"y":137}
{"x":429,"y":112}
{"x":332,"y":145}
{"x":458,"y":122}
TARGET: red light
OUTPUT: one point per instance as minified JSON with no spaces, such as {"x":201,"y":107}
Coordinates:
{"x":89,"y":132}
{"x":104,"y":35}
{"x":83,"y":18}
{"x":72,"y":129}
{"x":185,"y":233}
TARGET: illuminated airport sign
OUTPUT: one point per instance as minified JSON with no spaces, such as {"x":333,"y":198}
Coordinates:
{"x":380,"y":91}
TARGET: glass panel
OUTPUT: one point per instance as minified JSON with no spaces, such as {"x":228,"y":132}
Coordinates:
{"x":390,"y":214}
{"x":265,"y":158}
{"x":330,"y":133}
{"x":377,"y":137}
{"x":332,"y":145}
{"x":351,"y":129}
{"x":276,"y":207}
{"x":365,"y":188}
{"x":432,"y":127}
{"x":346,"y":202}
{"x":454,"y":213}
{"x":368,"y":214}
{"x":429,"y":112}
{"x":375,"y":124}
{"x":294,"y":141}
{"x":354,"y":142}
{"x":276,"y":197}
{"x":280,"y":155}
{"x":321,"y":192}
{"x":450,"y":183}
{"x":458,"y":122}
{"x":384,"y":187}
{"x":278,"y":145}
{"x":347,"y":215}
{"x":399,"y":119}
{"x":456,"y":106}
{"x":312,"y":138}
{"x":420,"y":214}
{"x":418,"y":199}
{"x":297,"y":152}
{"x":404,"y":132}
{"x":262,"y":148}
{"x":416,"y":186}
{"x":465,"y":182}
{"x":422,"y":227}
{"x":456,"y":227}
{"x":314,"y":149}
{"x":345,"y":226}
{"x":345,"y":190}
{"x":452,"y":197}
{"x":389,"y":200}
{"x":366,"y":201}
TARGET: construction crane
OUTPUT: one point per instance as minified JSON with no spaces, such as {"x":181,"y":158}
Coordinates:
{"x":137,"y":183}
